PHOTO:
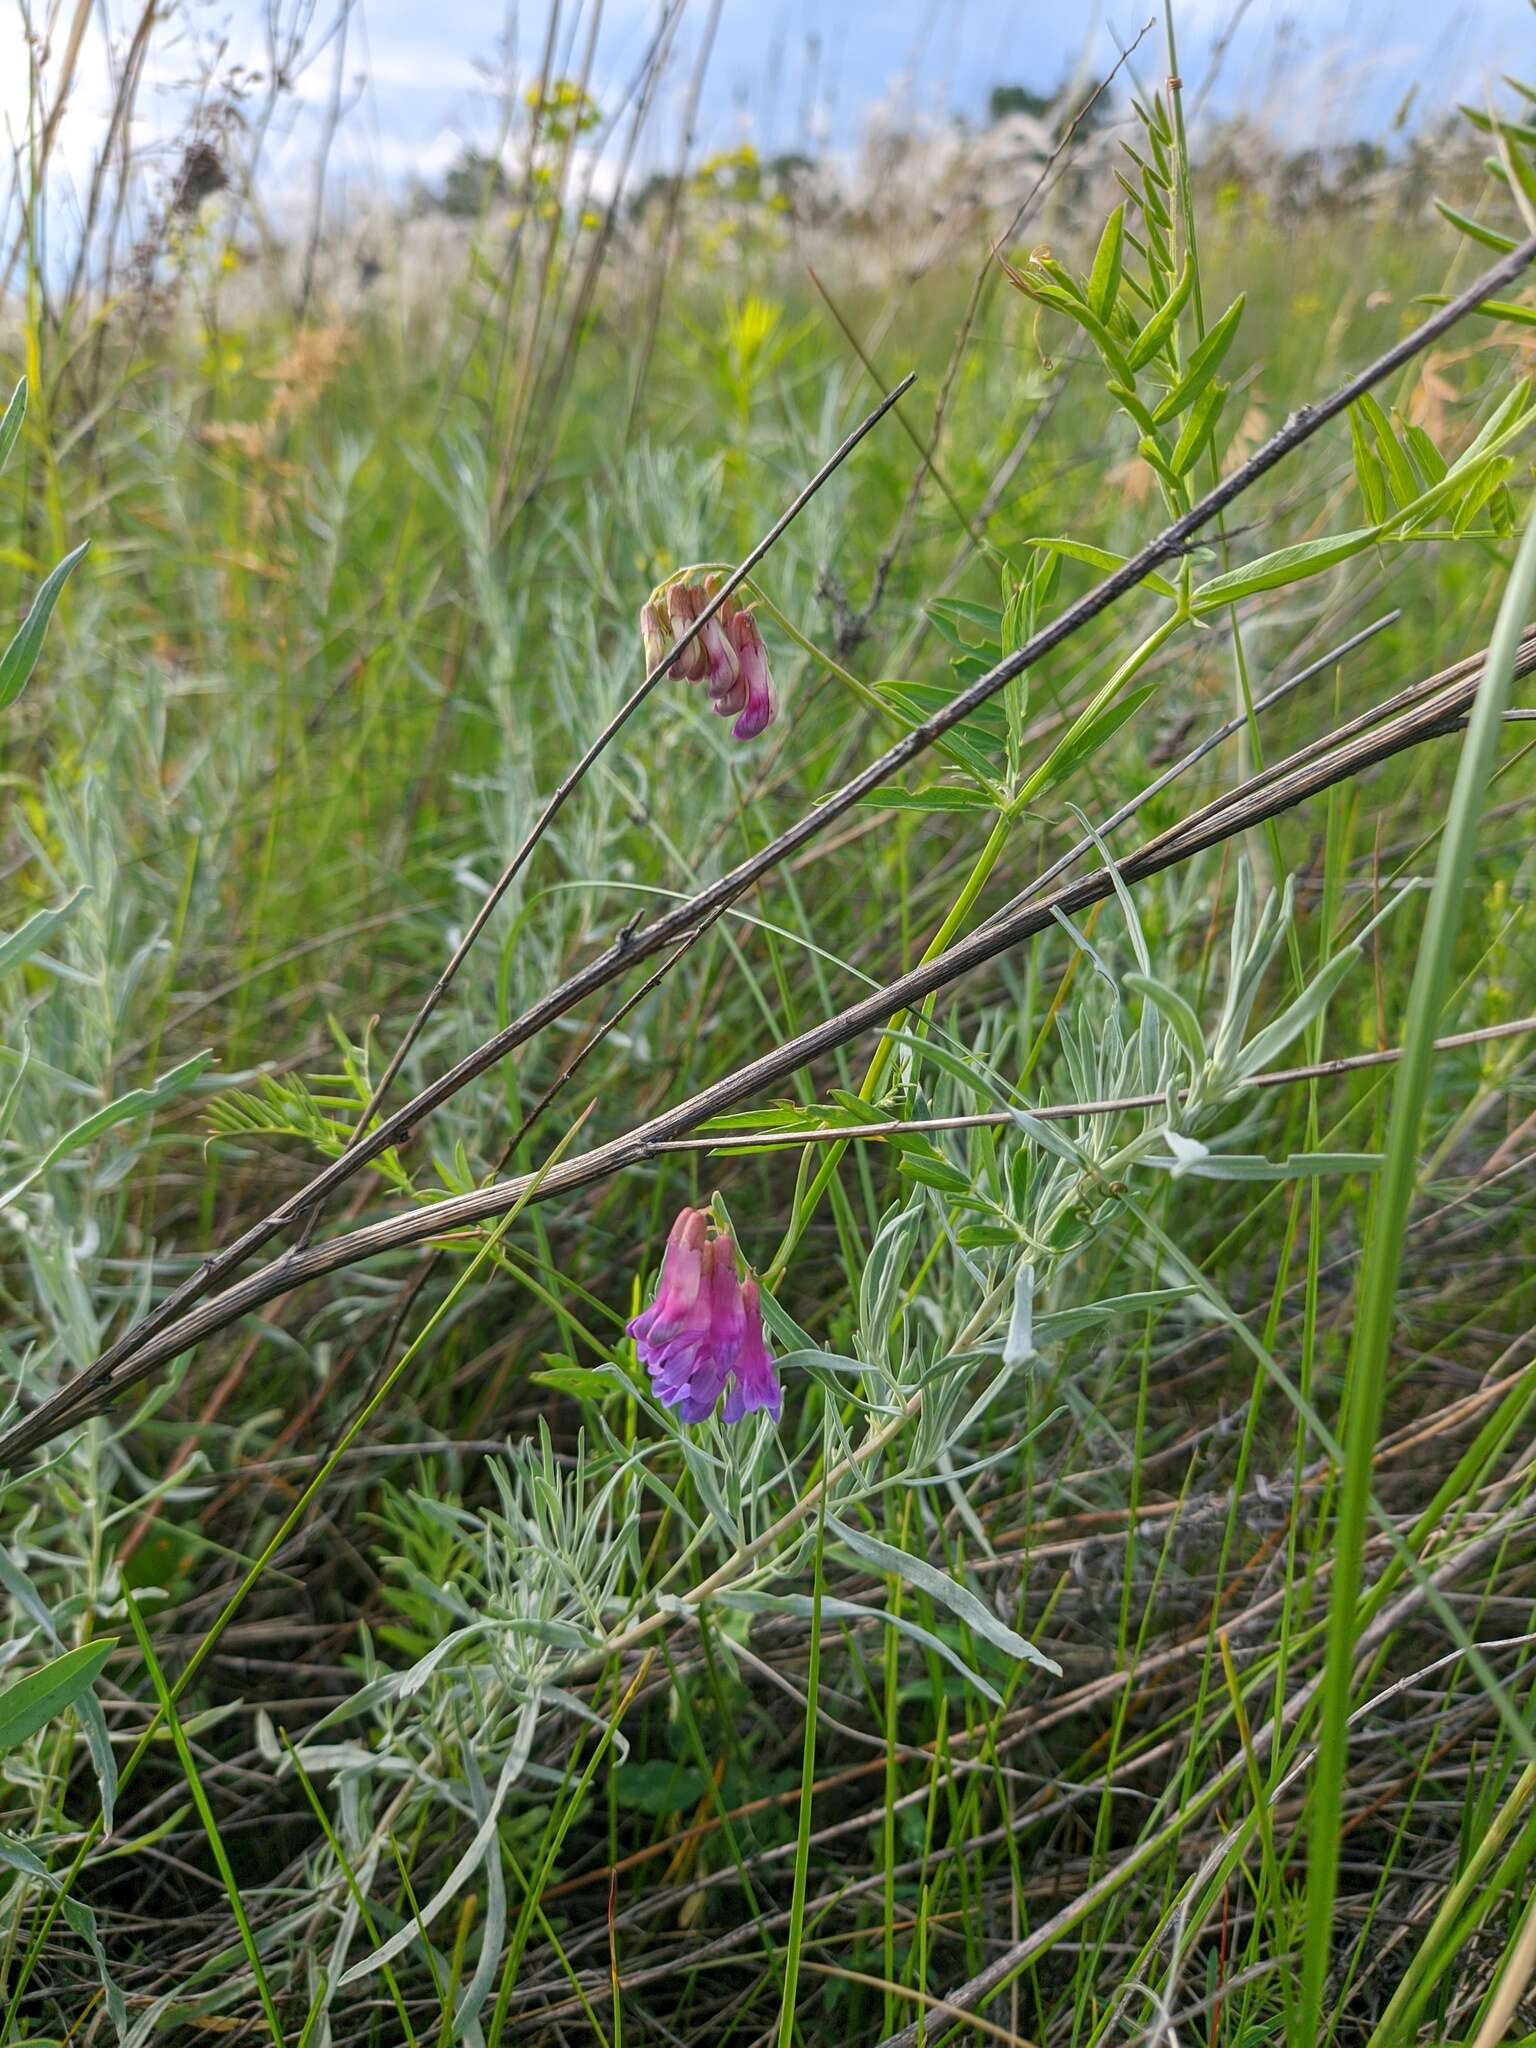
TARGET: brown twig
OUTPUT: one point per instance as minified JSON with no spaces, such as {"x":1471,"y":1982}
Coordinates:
{"x":1065,"y":1112}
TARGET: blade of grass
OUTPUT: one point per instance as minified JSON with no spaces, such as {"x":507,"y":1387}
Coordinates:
{"x":1377,"y":1295}
{"x":205,"y":1814}
{"x":786,"y":2032}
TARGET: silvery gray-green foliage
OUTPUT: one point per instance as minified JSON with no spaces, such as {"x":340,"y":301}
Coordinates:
{"x":19,"y":657}
{"x":511,"y":1600}
{"x":1025,"y":1210}
{"x":49,"y":1574}
{"x":85,"y":957}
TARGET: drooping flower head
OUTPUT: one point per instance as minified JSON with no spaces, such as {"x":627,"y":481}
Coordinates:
{"x":703,"y":1332}
{"x":728,"y":653}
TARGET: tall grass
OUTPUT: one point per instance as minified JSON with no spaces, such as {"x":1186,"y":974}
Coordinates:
{"x":1125,"y":1636}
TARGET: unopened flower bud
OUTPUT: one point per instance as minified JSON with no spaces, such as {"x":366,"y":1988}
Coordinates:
{"x":654,"y":636}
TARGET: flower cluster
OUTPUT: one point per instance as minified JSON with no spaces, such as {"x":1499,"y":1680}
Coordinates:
{"x":728,"y":654}
{"x":703,"y":1333}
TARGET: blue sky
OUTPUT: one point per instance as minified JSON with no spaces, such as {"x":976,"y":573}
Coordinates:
{"x":416,"y":72}
{"x":1318,"y":67}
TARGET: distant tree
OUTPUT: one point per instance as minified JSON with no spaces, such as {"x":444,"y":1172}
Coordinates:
{"x":473,"y":182}
{"x":1021,"y":99}
{"x":1017,"y":99}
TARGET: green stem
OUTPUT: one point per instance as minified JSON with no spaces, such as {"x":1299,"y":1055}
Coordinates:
{"x":807,"y":1785}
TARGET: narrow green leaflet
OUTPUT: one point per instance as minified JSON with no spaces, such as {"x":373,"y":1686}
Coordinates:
{"x":1074,"y":750}
{"x":1136,"y":406}
{"x":1286,"y":565}
{"x":22,"y":943}
{"x":1203,"y":364}
{"x":1488,"y":236}
{"x":38,"y":1698}
{"x":1198,"y":428}
{"x":1496,"y":309}
{"x":927,"y":1578}
{"x":20,"y":658}
{"x":10,"y":426}
{"x":583,"y":1382}
{"x":1423,"y":453}
{"x":968,"y":743}
{"x":1368,"y":471}
{"x":1493,"y":479}
{"x":137,"y":1102}
{"x":1104,"y":279}
{"x":922,"y":701}
{"x":923,"y":1162}
{"x":1158,"y":329}
{"x":1405,"y":485}
{"x":936,"y":798}
{"x":1151,"y":450}
{"x":1098,"y":558}
{"x":1512,"y":131}
{"x":986,"y":618}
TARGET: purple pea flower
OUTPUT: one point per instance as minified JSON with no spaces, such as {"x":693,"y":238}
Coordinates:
{"x":754,"y":1381}
{"x":758,"y":705}
{"x":724,"y":666}
{"x":703,"y":1333}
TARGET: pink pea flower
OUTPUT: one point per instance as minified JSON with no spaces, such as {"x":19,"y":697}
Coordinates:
{"x":724,"y":665}
{"x":703,"y":1333}
{"x":758,"y":705}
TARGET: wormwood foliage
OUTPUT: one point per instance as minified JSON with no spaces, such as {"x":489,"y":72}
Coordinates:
{"x":396,"y":1668}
